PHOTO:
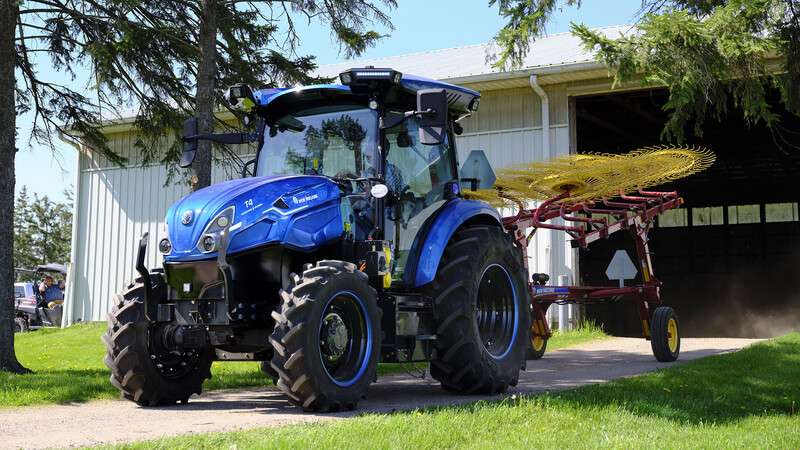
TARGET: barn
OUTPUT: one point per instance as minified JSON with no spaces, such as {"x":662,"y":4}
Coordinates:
{"x":726,"y":258}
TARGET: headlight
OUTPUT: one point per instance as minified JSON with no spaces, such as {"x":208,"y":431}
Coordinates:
{"x":221,"y":222}
{"x":369,"y":74}
{"x":208,"y":243}
{"x":165,"y":246}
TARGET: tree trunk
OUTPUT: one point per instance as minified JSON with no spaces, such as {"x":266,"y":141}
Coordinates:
{"x":8,"y":20}
{"x":206,"y":77}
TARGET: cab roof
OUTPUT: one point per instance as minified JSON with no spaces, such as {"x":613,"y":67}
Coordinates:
{"x":459,"y":97}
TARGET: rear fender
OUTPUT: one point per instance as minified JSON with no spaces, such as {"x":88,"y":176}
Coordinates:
{"x":430,"y":243}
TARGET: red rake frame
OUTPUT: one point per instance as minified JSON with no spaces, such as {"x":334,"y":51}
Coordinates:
{"x":634,"y":213}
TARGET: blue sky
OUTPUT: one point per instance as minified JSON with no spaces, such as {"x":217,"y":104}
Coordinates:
{"x":420,"y":25}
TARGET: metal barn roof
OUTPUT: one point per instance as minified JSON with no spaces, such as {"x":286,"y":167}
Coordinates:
{"x":473,"y":63}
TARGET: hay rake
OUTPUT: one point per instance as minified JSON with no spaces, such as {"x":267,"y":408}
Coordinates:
{"x":595,"y":196}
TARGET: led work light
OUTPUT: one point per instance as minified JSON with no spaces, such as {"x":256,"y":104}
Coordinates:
{"x":240,"y":96}
{"x":369,"y":75}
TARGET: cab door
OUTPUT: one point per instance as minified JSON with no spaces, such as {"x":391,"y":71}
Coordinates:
{"x":416,"y":175}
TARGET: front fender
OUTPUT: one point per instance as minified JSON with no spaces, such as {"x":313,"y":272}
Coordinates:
{"x":430,"y":243}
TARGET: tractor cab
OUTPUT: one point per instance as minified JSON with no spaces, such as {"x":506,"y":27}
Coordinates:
{"x":386,"y":139}
{"x":379,"y":132}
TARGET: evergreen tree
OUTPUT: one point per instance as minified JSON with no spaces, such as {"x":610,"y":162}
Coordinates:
{"x":42,"y":232}
{"x":704,"y":51}
{"x":24,"y":257}
{"x":232,"y":34}
{"x":147,"y":55}
{"x":50,"y":230}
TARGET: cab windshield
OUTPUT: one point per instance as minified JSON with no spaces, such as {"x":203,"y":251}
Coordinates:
{"x":336,"y":141}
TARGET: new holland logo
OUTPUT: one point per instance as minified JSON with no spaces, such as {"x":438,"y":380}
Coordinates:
{"x":188,"y":215}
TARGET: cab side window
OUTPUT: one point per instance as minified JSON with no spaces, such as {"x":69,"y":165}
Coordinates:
{"x":421,"y":170}
{"x":416,"y":175}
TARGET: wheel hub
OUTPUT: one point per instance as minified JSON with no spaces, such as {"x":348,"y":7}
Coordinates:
{"x":172,"y":363}
{"x":334,"y":337}
{"x":496,"y":311}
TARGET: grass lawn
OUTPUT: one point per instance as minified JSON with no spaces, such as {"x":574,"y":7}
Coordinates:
{"x":68,"y":366}
{"x":748,"y":399}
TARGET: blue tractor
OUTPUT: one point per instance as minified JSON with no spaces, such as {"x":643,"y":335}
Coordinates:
{"x":346,"y":243}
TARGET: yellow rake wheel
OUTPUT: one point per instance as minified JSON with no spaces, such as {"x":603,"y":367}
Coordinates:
{"x":538,"y":344}
{"x":594,"y":176}
{"x":665,"y":334}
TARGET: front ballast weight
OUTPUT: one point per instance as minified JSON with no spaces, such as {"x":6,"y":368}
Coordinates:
{"x":632,"y":213}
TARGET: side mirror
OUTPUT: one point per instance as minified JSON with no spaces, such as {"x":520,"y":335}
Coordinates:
{"x":245,"y":169}
{"x":477,"y":172}
{"x":432,"y":103}
{"x":190,"y":131}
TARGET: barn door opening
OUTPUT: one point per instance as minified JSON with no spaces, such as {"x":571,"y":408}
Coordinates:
{"x":730,"y":259}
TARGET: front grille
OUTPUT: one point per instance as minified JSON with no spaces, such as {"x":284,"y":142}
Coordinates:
{"x":200,"y":280}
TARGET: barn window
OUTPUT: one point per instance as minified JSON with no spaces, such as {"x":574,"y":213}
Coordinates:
{"x":781,"y":212}
{"x":707,"y":216}
{"x":673,"y":218}
{"x":741,"y":214}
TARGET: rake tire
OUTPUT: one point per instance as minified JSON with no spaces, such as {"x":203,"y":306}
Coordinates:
{"x":660,"y":334}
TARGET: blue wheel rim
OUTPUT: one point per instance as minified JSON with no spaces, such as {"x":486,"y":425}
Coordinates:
{"x":497,"y":311}
{"x":349,"y":367}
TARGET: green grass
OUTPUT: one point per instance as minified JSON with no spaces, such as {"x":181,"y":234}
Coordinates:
{"x":586,"y":331}
{"x":68,"y":367}
{"x":747,"y":399}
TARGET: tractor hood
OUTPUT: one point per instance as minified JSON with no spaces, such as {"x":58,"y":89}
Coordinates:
{"x":301,"y":212}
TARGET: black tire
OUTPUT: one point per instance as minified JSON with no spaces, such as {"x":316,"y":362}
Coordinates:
{"x":20,"y":325}
{"x":134,"y":360}
{"x":663,"y":325}
{"x":474,"y":256}
{"x":266,"y":369}
{"x":325,"y":292}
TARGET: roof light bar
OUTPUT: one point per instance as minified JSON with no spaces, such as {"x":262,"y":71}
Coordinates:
{"x":368,"y":75}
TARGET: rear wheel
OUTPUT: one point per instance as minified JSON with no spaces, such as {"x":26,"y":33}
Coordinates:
{"x":665,"y":337}
{"x":481,"y":310}
{"x":327,"y":337}
{"x":141,"y":369}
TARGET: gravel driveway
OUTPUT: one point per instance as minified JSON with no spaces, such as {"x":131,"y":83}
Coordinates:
{"x":113,"y":421}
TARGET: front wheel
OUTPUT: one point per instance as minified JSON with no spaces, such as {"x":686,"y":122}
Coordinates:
{"x":327,"y":337}
{"x":141,"y":370}
{"x":481,"y":309}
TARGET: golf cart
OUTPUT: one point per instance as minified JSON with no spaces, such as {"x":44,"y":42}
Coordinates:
{"x":31,"y":310}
